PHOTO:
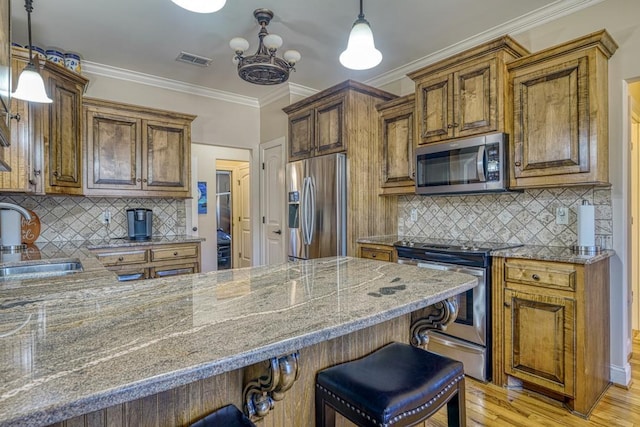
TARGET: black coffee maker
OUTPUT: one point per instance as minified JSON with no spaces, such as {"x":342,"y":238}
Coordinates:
{"x":139,"y":223}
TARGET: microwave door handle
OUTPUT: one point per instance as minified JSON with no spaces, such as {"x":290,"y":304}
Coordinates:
{"x":480,"y":164}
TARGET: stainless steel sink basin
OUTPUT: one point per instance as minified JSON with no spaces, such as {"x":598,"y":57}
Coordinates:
{"x":41,"y":269}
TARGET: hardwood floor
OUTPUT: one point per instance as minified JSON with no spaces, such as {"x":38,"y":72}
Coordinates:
{"x":489,"y":405}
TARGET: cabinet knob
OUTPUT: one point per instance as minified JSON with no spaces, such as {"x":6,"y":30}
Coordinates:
{"x":144,"y":180}
{"x":455,"y":125}
{"x":55,"y":173}
{"x":373,"y":255}
{"x":37,"y":172}
{"x":195,"y":228}
{"x":518,"y":164}
{"x":139,"y":180}
{"x":449,"y":126}
{"x":535,"y":277}
{"x":120,"y":258}
{"x":175,"y":254}
{"x":508,"y":305}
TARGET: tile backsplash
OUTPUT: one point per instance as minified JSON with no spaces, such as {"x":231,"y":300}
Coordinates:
{"x":526,"y":218}
{"x":80,"y":218}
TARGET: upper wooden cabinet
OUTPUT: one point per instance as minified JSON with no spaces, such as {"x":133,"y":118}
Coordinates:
{"x":466,"y":94}
{"x":136,"y":151}
{"x":46,"y":145}
{"x":5,"y":76}
{"x":560,"y":109}
{"x":396,"y":136}
{"x":320,"y":124}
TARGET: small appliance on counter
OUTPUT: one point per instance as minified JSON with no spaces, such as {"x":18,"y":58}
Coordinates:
{"x":139,"y":222}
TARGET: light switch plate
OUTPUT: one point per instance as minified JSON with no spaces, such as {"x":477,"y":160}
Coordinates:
{"x":562,"y":215}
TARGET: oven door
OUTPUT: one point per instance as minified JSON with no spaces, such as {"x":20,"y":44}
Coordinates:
{"x":471,"y":323}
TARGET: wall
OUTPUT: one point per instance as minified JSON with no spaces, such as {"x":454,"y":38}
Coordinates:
{"x":80,"y":218}
{"x":518,"y":218}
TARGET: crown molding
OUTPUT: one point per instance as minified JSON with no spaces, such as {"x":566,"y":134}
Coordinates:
{"x":164,"y":83}
{"x":284,"y":90}
{"x":523,"y":23}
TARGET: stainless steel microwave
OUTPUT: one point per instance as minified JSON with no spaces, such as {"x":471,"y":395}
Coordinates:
{"x":472,"y":165}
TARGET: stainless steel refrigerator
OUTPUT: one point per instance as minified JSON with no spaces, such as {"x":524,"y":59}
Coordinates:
{"x":317,"y":207}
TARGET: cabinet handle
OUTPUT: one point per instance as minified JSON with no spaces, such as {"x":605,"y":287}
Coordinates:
{"x":373,"y":255}
{"x":455,"y":125}
{"x":144,"y":180}
{"x":518,"y":164}
{"x":139,"y":180}
{"x":449,"y":126}
{"x":175,"y":254}
{"x":535,"y":277}
{"x":55,"y":173}
{"x":120,"y":258}
{"x":508,"y":305}
{"x":195,"y":228}
{"x":37,"y":172}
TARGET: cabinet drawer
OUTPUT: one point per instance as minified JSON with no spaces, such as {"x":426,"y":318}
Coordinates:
{"x":122,"y":258}
{"x":175,"y":252}
{"x":130,"y":275}
{"x":174,"y":270}
{"x":550,"y":275}
{"x":377,"y":254}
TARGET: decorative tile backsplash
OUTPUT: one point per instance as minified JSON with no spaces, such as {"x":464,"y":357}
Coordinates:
{"x":526,"y":218}
{"x":80,"y":218}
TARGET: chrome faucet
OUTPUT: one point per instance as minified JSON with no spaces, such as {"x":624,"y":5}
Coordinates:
{"x":25,"y":213}
{"x":10,"y":234}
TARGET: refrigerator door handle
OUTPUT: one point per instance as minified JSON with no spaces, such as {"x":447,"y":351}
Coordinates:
{"x":305,"y":211}
{"x":312,"y":222}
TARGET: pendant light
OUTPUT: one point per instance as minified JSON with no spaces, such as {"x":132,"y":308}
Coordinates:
{"x":361,"y":52}
{"x":30,"y":84}
{"x":201,"y":6}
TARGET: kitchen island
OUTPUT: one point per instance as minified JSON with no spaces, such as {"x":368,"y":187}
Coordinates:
{"x":168,"y":351}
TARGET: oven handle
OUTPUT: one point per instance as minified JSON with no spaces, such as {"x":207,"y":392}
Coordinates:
{"x":445,"y":258}
{"x":473,"y":271}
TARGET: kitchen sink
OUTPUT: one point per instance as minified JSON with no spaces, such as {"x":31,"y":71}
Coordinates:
{"x":40,"y":269}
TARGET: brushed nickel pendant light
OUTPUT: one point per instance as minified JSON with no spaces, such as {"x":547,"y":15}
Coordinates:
{"x":30,"y":84}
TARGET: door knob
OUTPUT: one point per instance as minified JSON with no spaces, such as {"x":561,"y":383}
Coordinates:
{"x":278,"y":231}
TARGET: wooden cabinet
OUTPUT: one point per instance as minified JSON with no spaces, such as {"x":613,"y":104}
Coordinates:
{"x":342,"y":118}
{"x":318,"y":128}
{"x":151,"y":261}
{"x":377,"y":252}
{"x":46,"y":150}
{"x":136,"y":151}
{"x":5,"y":80}
{"x":551,"y":328}
{"x":560,"y":109}
{"x":465,"y":95}
{"x":396,"y":136}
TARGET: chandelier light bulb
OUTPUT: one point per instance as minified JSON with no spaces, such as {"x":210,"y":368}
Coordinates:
{"x":238,"y":44}
{"x":201,"y":6}
{"x":272,"y":41}
{"x":361,"y":52}
{"x":292,"y":56}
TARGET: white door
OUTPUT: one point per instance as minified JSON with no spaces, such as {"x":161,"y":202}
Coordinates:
{"x":242,"y":214}
{"x":191,"y":205}
{"x":272,"y":194}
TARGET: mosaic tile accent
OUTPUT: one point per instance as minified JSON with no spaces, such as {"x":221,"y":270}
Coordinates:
{"x":65,"y":219}
{"x":526,"y":218}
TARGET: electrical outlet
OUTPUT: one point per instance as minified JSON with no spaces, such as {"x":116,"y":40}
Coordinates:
{"x":562,"y":216}
{"x":414,"y":215}
{"x":106,"y":217}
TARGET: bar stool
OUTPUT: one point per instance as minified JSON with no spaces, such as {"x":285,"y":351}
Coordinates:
{"x":228,"y":416}
{"x":398,"y":385}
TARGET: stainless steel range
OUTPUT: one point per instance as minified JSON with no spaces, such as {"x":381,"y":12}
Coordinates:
{"x":468,"y":339}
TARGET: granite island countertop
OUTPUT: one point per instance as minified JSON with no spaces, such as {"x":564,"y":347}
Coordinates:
{"x":82,"y":345}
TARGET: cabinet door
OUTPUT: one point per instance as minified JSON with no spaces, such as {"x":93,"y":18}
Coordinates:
{"x":551,"y":118}
{"x":475,"y":99}
{"x":301,"y":134}
{"x":167,"y":156}
{"x":540,"y":340}
{"x":113,"y":146}
{"x":397,"y":149}
{"x":329,"y":130}
{"x":435,"y":109}
{"x":20,"y":154}
{"x":63,"y":128}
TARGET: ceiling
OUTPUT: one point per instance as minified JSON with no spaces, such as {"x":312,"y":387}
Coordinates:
{"x":146,"y":36}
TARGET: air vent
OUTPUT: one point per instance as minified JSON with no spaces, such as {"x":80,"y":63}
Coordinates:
{"x":191,"y":58}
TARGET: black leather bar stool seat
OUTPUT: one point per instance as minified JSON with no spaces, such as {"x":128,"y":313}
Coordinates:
{"x":397,"y":385}
{"x":228,"y":416}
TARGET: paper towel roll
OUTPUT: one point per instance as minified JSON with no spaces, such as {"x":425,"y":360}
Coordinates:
{"x":586,"y":225}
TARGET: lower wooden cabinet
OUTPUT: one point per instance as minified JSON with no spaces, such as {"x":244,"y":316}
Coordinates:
{"x":551,"y":328}
{"x":377,"y":252}
{"x":151,"y":261}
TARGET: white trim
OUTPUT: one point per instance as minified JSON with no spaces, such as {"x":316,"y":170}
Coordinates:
{"x":164,"y":83}
{"x":287,"y":89}
{"x":621,"y":375}
{"x":523,"y":23}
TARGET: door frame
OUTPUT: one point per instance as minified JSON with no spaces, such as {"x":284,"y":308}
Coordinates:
{"x":281,"y":142}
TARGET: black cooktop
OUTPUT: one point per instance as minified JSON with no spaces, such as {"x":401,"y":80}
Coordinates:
{"x":453,"y":246}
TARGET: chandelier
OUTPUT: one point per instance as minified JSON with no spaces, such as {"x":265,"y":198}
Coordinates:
{"x":263,"y":67}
